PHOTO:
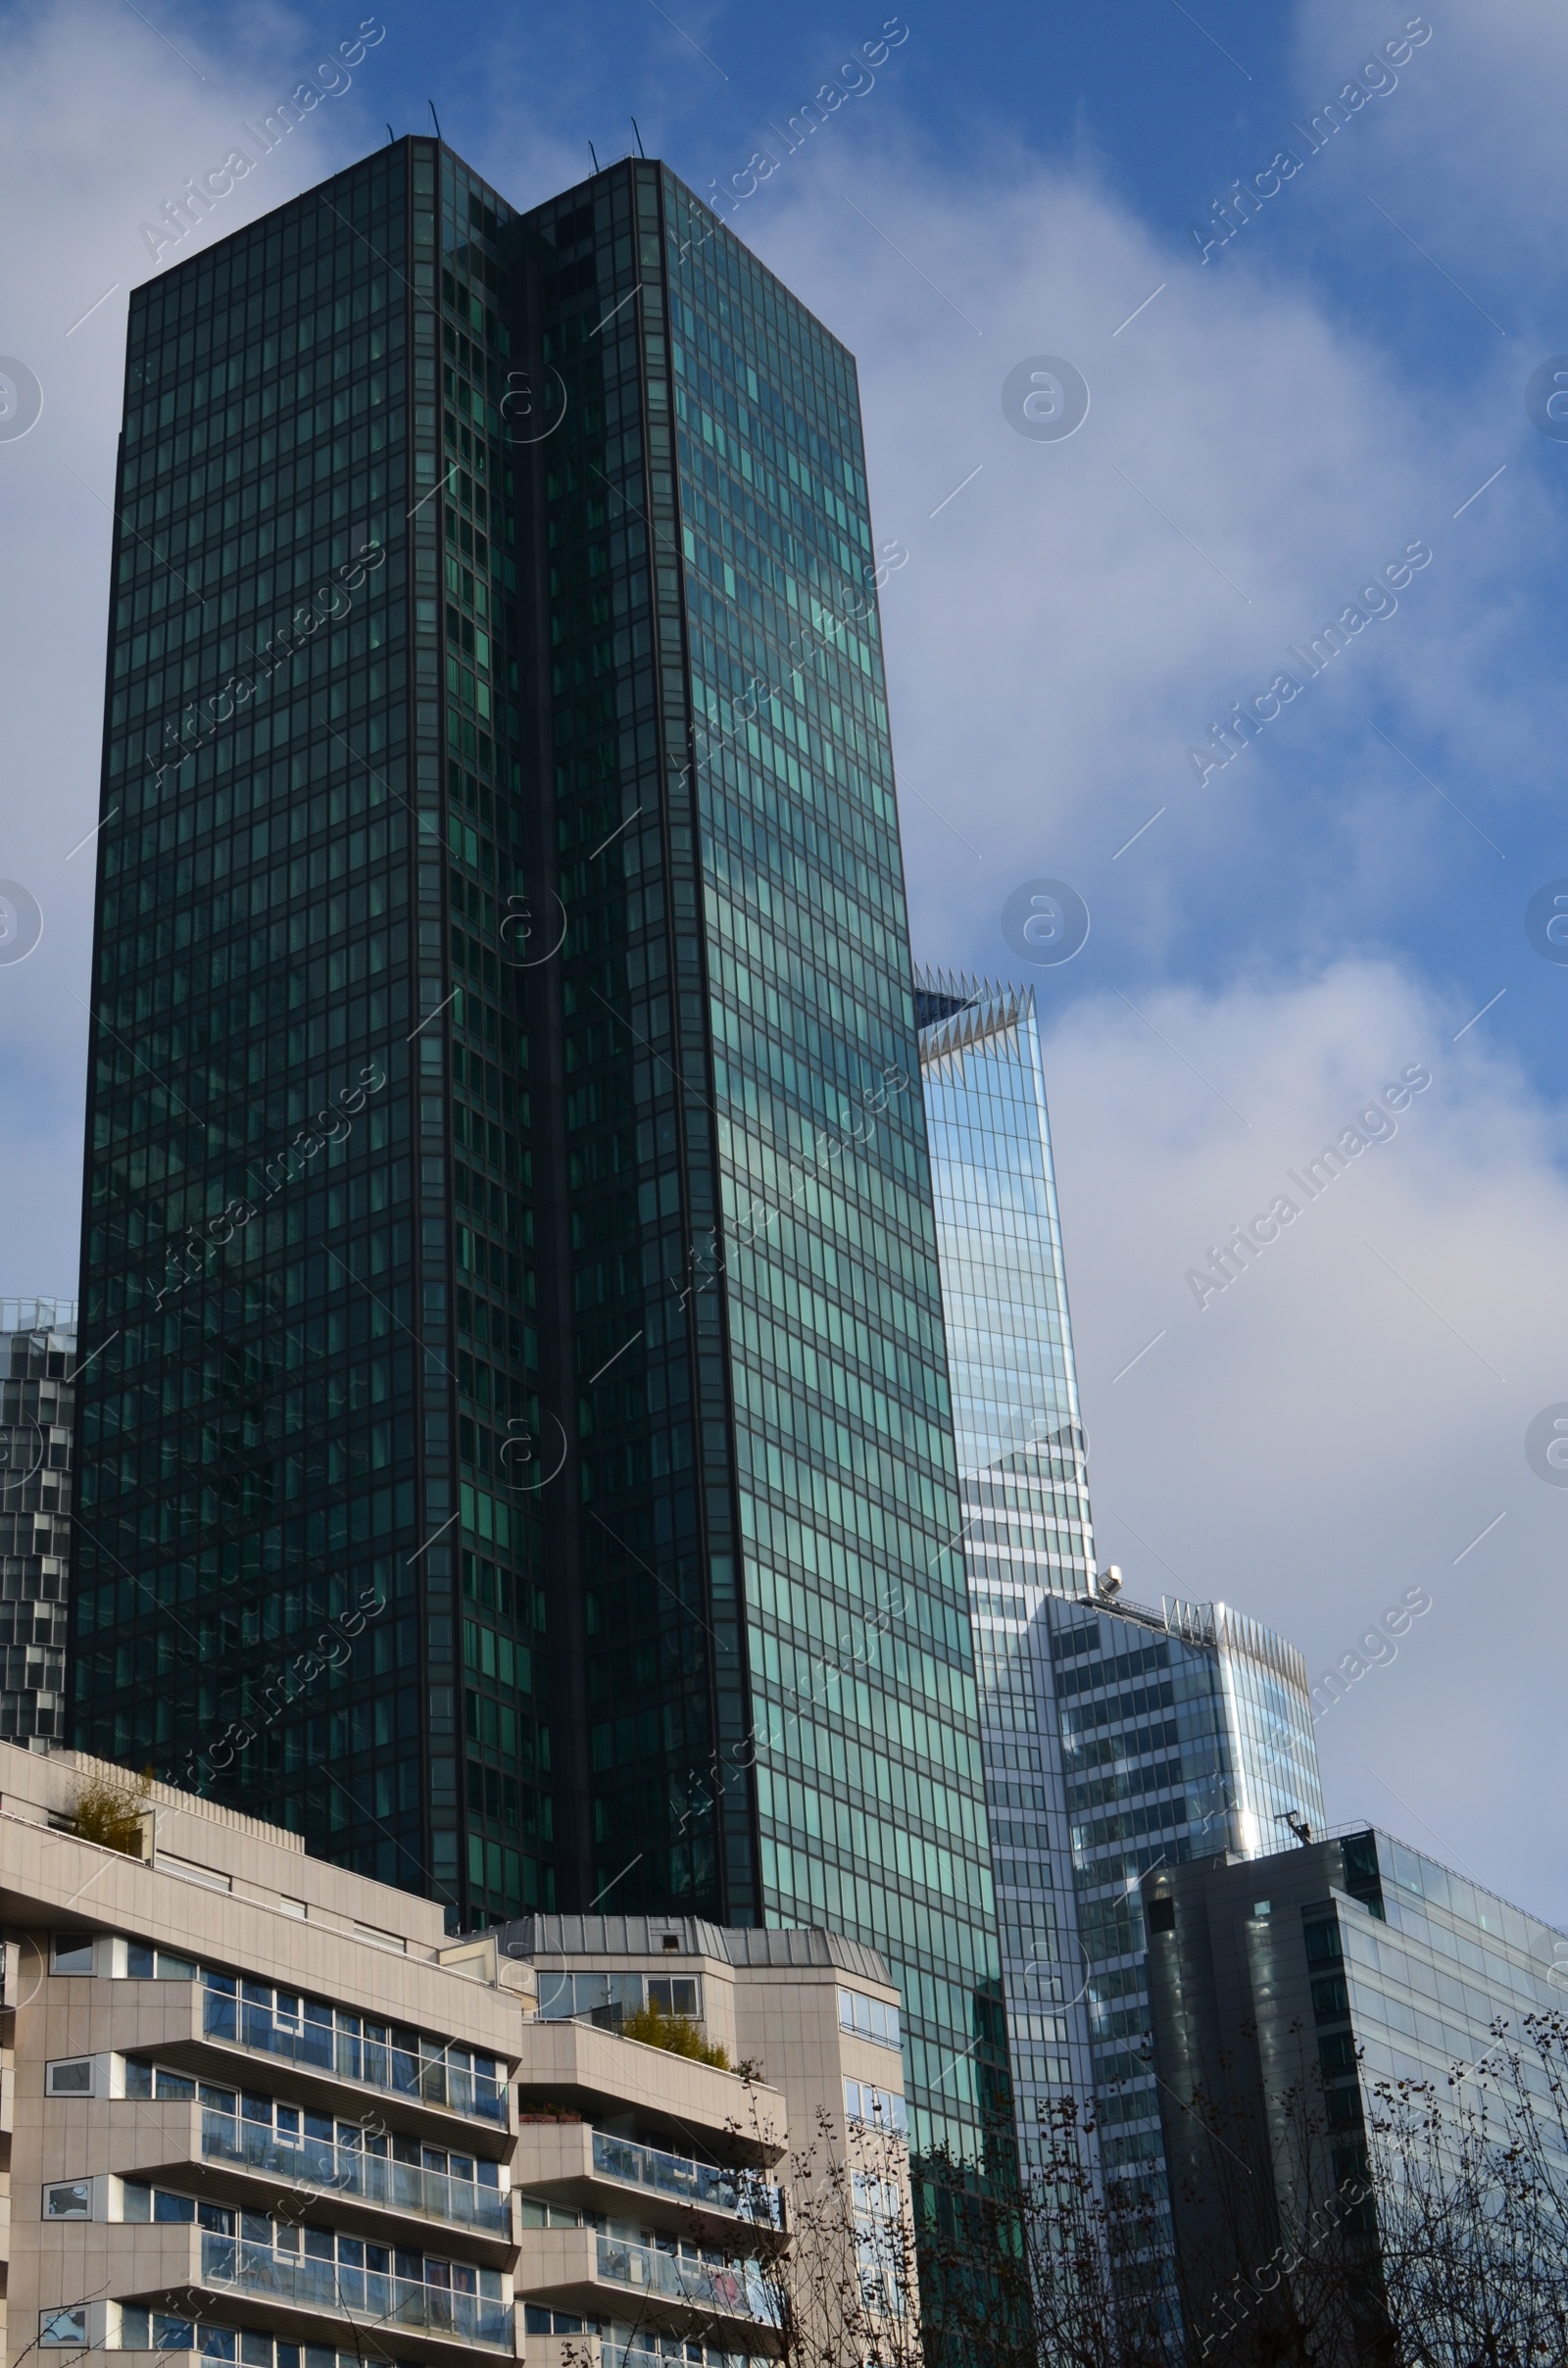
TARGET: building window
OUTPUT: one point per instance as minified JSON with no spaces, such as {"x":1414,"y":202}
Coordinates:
{"x":69,"y":2076}
{"x":143,"y":2079}
{"x":673,"y":1997}
{"x":883,"y":2245}
{"x":535,"y":2213}
{"x":307,"y":2030}
{"x":73,"y":1952}
{"x":64,"y":2326}
{"x":143,"y":2202}
{"x":868,"y":2018}
{"x":874,"y":2109}
{"x":144,"y":1964}
{"x":607,"y":1999}
{"x":156,"y":2330}
{"x":68,"y":2199}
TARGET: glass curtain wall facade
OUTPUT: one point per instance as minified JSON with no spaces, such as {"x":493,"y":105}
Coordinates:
{"x":1009,"y":1338}
{"x":781,"y":1715}
{"x":1023,"y":1480}
{"x":264,"y":1427}
{"x":1354,"y":1961}
{"x":38,"y":1397}
{"x":1115,"y":1738}
{"x":1183,"y":1733}
{"x":517,"y":1438}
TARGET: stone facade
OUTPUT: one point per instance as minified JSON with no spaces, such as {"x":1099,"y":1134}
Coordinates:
{"x":261,"y":2109}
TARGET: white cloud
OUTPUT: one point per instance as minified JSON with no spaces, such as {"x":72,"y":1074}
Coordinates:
{"x":1333,"y":1428}
{"x":1467,"y":152}
{"x":1341,"y":1422}
{"x":1056,"y":641}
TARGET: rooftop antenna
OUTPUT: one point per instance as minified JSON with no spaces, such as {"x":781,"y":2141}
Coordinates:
{"x":434,"y":117}
{"x":594,"y":153}
{"x":641,"y":150}
{"x":1296,"y":1823}
{"x":392,"y":136}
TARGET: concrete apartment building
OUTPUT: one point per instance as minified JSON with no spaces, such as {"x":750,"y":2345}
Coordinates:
{"x":814,"y":2009}
{"x":267,"y":2111}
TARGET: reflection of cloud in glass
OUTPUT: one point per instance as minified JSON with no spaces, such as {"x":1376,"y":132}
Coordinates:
{"x":1005,"y":1292}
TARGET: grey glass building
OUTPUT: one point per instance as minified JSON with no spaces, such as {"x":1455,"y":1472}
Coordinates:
{"x":1115,"y":1737}
{"x":1326,"y":1969}
{"x":1183,"y":1732}
{"x":37,"y":1395}
{"x":516,"y":1436}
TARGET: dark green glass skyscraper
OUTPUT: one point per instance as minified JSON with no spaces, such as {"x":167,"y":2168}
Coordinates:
{"x":515,"y":1445}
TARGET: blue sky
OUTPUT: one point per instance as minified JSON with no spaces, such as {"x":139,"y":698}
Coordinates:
{"x":1265,"y":436}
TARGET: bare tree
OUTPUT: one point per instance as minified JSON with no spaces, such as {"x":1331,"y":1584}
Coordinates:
{"x":1324,"y":2223}
{"x":1390,"y":2225}
{"x":843,"y":2273}
{"x":830,"y":2281}
{"x":1472,"y":2205}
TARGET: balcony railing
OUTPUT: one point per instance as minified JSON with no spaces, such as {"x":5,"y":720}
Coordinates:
{"x":736,"y":2287}
{"x":352,"y":2171}
{"x":303,"y":2039}
{"x":353,"y":2293}
{"x":702,"y":2182}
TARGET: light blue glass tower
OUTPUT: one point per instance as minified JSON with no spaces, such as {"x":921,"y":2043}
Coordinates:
{"x":1024,"y":1486}
{"x":1010,"y":1341}
{"x":1116,"y":1738}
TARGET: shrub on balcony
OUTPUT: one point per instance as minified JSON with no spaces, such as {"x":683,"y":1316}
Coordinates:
{"x":110,"y":1813}
{"x":675,"y":2032}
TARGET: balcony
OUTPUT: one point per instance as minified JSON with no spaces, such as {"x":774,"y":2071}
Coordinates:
{"x":313,"y":2038}
{"x":577,"y":2064}
{"x":295,"y":2280}
{"x":593,"y":2276}
{"x":735,"y":2290}
{"x":745,"y":2193}
{"x":357,"y":2175}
